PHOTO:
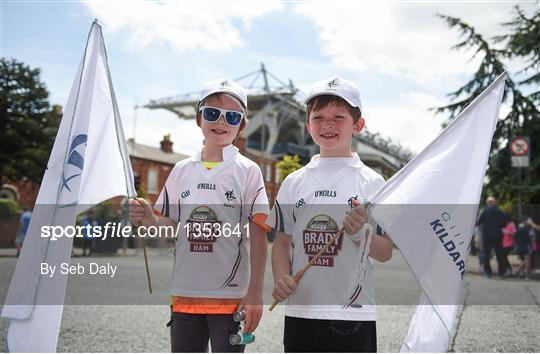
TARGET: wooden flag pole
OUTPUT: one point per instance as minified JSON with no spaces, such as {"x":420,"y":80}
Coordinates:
{"x":146,"y":265}
{"x":301,"y":272}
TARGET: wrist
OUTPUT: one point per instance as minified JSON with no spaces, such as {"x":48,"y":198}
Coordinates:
{"x":254,"y":291}
{"x":281,"y":277}
{"x":255,"y":297}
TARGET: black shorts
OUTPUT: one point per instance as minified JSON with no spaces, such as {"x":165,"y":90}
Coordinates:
{"x":191,"y":333}
{"x":311,"y":335}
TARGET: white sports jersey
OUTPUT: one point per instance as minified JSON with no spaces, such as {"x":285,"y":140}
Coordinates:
{"x":211,"y":258}
{"x":311,"y":205}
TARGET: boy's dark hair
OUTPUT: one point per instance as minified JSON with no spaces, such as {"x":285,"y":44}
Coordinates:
{"x":319,"y":102}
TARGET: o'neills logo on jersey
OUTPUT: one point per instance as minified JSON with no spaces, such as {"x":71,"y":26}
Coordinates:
{"x":318,"y":232}
{"x":325,"y":193}
{"x":210,"y":186}
{"x":201,"y":229}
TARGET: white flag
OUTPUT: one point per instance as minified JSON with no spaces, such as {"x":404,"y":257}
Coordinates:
{"x":89,"y":163}
{"x":429,"y":209}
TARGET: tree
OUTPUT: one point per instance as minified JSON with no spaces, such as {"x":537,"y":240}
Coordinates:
{"x":522,"y":94}
{"x":288,"y":165}
{"x":27,"y":123}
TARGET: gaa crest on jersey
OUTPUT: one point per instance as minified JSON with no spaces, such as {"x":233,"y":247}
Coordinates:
{"x":202,"y":229}
{"x":320,"y":230}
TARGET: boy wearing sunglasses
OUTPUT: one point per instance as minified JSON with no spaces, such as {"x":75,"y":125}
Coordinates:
{"x":313,"y":203}
{"x":217,"y":202}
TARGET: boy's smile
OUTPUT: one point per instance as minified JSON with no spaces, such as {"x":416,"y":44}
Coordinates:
{"x":329,"y":135}
{"x":219,"y":131}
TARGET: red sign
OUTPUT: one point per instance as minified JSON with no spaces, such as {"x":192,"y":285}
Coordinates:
{"x":519,"y":146}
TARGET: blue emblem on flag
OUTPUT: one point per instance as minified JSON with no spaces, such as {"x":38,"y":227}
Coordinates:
{"x":75,"y":159}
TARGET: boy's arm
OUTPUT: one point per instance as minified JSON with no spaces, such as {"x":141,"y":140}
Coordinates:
{"x":252,"y":302}
{"x":381,"y":248}
{"x":284,"y":283}
{"x":258,"y":251}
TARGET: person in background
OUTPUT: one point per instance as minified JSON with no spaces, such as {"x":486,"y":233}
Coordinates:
{"x":478,"y":245}
{"x":88,"y":232}
{"x":493,"y":220}
{"x":508,"y":241}
{"x":534,"y":243}
{"x":524,"y":247}
{"x":24,"y":223}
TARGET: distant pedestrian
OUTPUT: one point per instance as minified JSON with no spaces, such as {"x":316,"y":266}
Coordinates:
{"x":23,"y":229}
{"x":535,"y":227}
{"x":508,"y":242}
{"x":493,"y":220}
{"x":479,"y":245}
{"x":88,"y":223}
{"x":524,"y":246}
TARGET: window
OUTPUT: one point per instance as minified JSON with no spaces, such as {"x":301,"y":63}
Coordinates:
{"x":152,"y":181}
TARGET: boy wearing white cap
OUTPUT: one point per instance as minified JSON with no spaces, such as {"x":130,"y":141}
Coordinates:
{"x":311,"y":204}
{"x":217,"y":202}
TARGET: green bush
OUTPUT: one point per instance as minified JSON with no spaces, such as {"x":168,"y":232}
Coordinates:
{"x":8,"y":208}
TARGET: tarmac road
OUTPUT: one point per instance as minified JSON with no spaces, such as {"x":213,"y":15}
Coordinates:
{"x":497,"y":315}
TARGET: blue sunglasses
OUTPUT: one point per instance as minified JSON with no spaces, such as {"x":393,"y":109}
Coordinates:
{"x":212,"y":114}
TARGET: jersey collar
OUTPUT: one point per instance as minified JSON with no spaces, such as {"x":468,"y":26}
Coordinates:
{"x":354,"y":161}
{"x":229,"y":154}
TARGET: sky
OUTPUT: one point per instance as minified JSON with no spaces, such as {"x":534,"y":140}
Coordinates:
{"x":398,"y":53}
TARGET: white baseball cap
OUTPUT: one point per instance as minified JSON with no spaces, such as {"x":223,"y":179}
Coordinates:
{"x":339,"y":87}
{"x":224,"y":86}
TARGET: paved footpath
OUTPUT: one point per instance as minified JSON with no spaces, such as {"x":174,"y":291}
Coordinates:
{"x":497,"y":315}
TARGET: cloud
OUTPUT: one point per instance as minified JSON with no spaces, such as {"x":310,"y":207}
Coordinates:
{"x":183,"y":25}
{"x":152,"y":125}
{"x":401,"y":39}
{"x":406,"y":120}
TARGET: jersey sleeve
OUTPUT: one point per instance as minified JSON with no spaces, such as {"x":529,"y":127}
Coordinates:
{"x":167,"y":201}
{"x":260,"y":219}
{"x":256,"y":197}
{"x":280,"y":217}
